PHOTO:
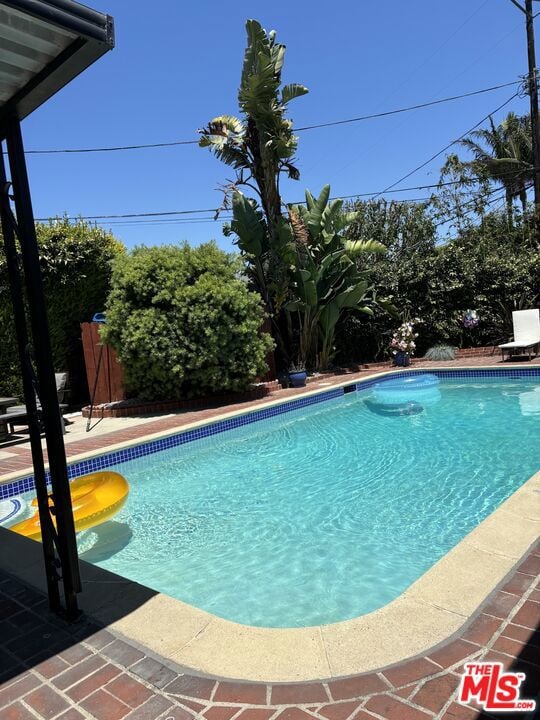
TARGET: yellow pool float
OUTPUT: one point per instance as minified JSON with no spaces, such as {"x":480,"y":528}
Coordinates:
{"x":95,"y":498}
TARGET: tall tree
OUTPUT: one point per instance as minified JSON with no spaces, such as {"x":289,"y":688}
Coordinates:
{"x":503,"y":153}
{"x":295,"y":257}
{"x":260,"y":146}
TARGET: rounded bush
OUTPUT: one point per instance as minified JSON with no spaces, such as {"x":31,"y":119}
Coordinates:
{"x":184,"y":322}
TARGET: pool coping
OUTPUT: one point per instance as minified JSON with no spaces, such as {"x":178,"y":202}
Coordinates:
{"x":433,"y":608}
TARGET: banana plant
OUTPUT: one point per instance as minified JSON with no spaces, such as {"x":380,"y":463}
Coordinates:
{"x":326,"y":279}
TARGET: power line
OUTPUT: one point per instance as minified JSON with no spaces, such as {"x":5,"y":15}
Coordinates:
{"x":112,"y":148}
{"x":168,"y":213}
{"x":456,"y":217}
{"x":447,"y":147}
{"x":406,"y":109}
{"x":446,"y":183}
{"x":360,"y":118}
{"x":474,"y":201}
{"x":211,"y":219}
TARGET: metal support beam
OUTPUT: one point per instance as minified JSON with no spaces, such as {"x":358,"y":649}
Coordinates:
{"x":532,"y":89}
{"x":18,"y":301}
{"x":64,"y":537}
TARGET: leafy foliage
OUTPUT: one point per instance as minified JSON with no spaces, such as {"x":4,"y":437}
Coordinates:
{"x":75,"y":264}
{"x":488,"y":267}
{"x":301,"y":264}
{"x":260,"y":146}
{"x":502,"y":156}
{"x":183,"y":322}
{"x":408,"y":234}
{"x":327,"y":279}
{"x":463,"y":196}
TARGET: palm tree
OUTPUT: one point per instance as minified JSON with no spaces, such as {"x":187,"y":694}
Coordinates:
{"x":504,"y":155}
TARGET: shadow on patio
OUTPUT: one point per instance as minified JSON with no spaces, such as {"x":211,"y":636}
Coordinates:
{"x":30,"y":634}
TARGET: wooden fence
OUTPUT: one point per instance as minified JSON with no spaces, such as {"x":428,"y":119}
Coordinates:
{"x":110,"y":385}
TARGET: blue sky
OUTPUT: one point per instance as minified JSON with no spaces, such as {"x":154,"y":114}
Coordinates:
{"x":176,"y":65}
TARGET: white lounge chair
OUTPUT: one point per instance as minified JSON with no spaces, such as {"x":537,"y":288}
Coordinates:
{"x":526,"y":333}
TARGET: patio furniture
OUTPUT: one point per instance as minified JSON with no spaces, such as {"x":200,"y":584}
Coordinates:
{"x":5,"y":403}
{"x":17,"y":415}
{"x":526,"y":334}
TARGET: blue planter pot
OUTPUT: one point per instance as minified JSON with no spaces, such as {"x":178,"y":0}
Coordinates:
{"x":402,"y":359}
{"x":298,"y":379}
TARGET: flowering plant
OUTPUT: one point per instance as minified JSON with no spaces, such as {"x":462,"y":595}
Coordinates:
{"x":470,"y":319}
{"x":403,"y":340}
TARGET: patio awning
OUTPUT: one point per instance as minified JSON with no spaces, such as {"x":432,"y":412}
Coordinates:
{"x":43,"y":46}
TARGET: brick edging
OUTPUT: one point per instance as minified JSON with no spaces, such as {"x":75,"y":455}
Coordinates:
{"x":164,"y":406}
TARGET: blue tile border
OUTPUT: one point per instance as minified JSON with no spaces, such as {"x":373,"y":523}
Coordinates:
{"x":513,"y":373}
{"x":100,"y":462}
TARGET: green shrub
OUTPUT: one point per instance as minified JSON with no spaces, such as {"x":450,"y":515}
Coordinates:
{"x":184,"y":323}
{"x":76,"y":268}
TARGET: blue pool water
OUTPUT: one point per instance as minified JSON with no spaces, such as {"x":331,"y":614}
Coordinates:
{"x":323,"y":513}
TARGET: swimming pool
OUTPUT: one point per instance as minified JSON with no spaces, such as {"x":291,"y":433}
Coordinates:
{"x":326,"y":512}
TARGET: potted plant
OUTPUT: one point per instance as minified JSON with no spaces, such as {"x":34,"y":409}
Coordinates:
{"x":297,"y":375}
{"x":403,"y":343}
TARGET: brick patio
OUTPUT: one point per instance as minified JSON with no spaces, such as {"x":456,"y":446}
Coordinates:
{"x":51,"y":670}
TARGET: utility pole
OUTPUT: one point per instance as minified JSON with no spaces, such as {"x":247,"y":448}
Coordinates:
{"x":533,"y":94}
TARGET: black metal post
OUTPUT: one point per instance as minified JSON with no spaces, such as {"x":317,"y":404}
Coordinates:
{"x":17,"y":298}
{"x":65,"y":540}
{"x":527,"y":10}
{"x":533,"y":93}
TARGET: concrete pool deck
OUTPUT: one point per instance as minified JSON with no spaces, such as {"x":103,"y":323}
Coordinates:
{"x":438,"y":607}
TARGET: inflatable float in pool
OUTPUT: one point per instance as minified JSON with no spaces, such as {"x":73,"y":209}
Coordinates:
{"x":422,"y":389}
{"x":403,"y":408}
{"x":95,"y":498}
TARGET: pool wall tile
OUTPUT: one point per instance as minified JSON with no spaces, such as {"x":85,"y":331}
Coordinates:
{"x":100,"y":462}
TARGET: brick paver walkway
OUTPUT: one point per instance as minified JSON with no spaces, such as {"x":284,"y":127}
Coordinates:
{"x":50,"y":670}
